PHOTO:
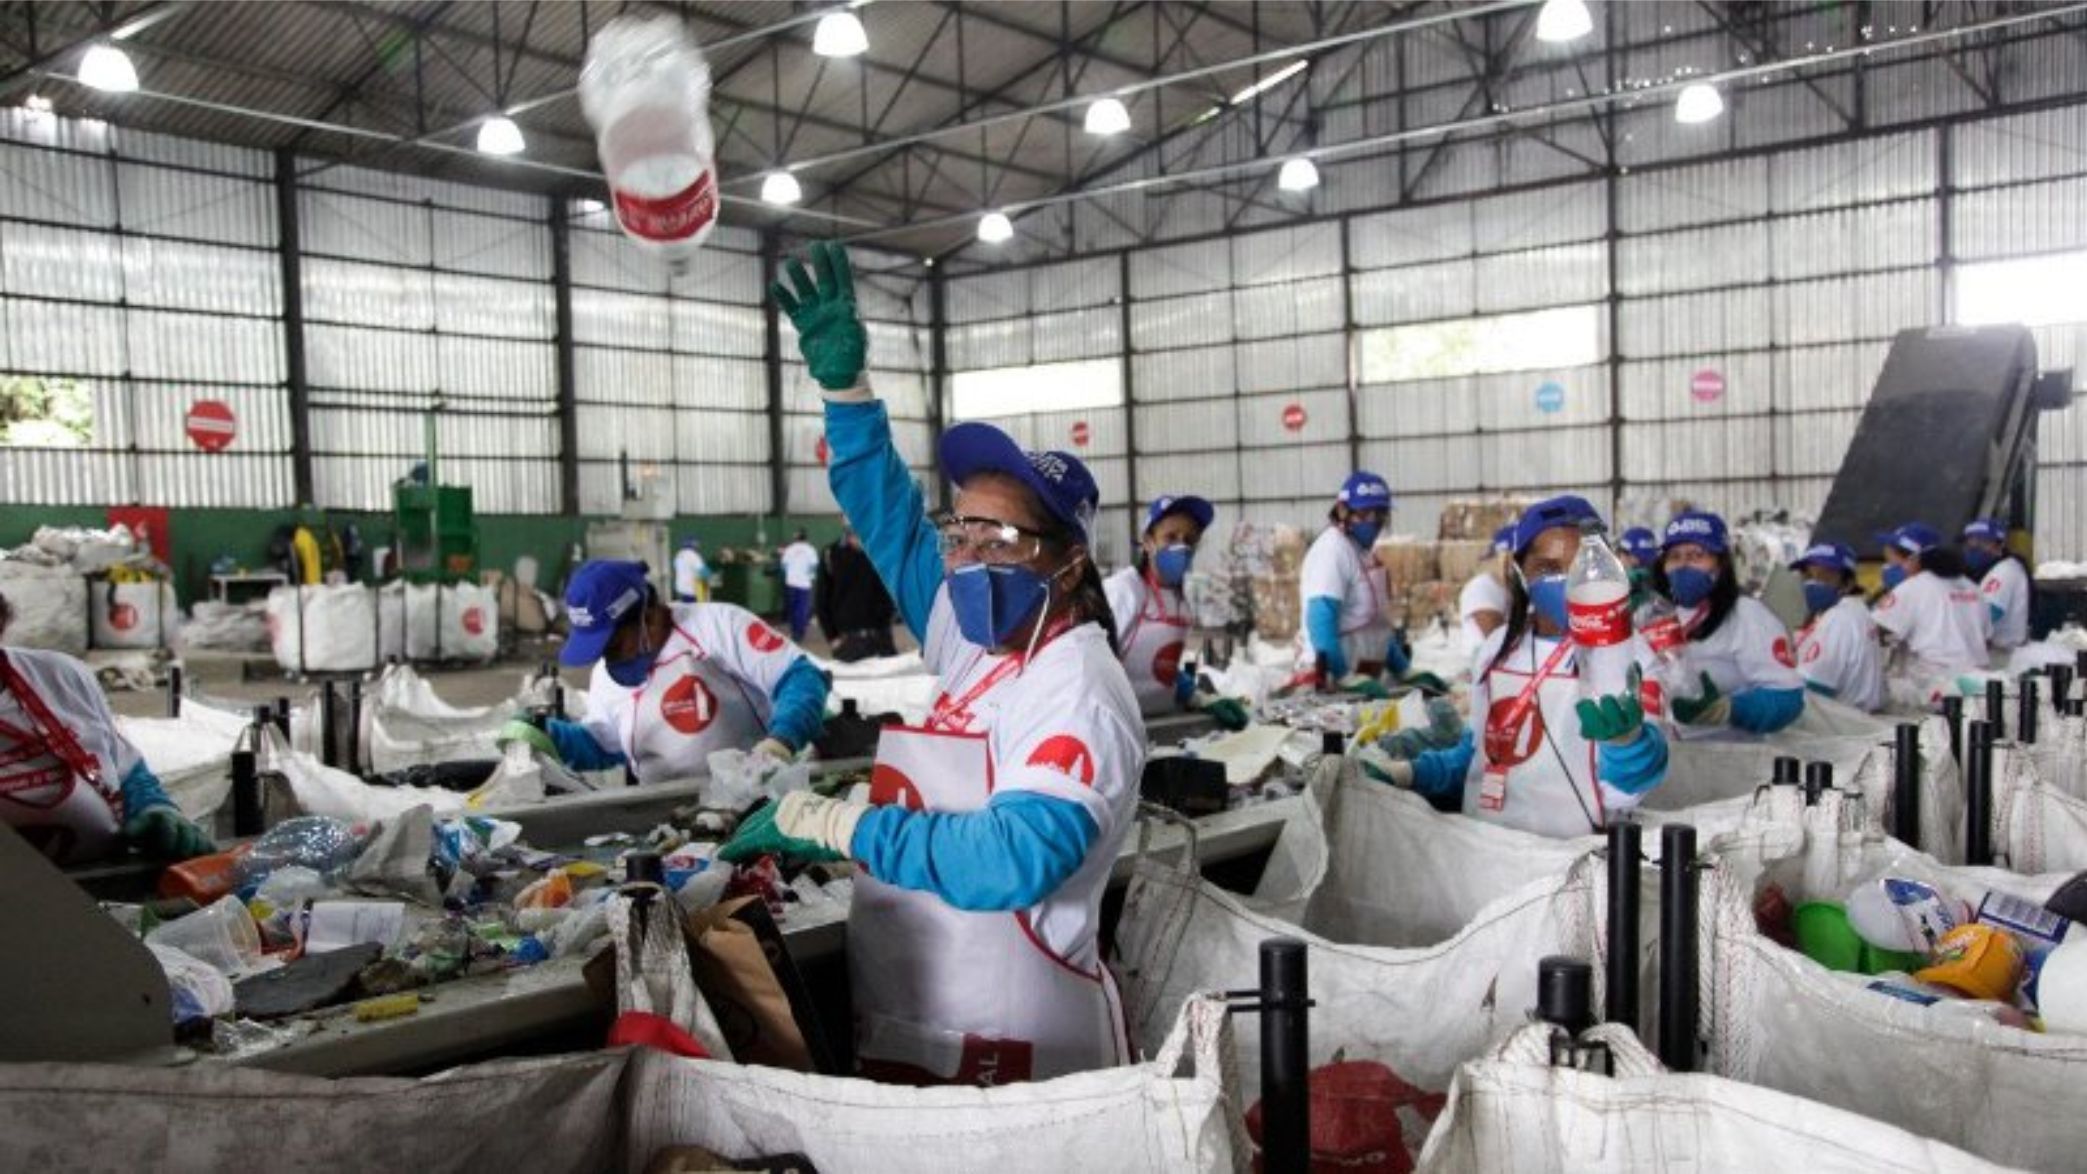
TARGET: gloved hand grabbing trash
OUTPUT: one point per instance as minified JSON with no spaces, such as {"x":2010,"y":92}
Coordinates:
{"x":1445,"y":726}
{"x":523,"y":731}
{"x":1616,"y":720}
{"x":1711,"y":708}
{"x":803,"y":827}
{"x":1228,"y":713}
{"x":1364,"y":686}
{"x":830,"y":335}
{"x":1424,"y":681}
{"x":163,"y":833}
{"x":773,"y":750}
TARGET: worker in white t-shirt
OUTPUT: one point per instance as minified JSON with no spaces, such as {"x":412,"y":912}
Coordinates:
{"x":1935,"y":617}
{"x":800,"y":562}
{"x":1482,"y":605}
{"x":1342,"y":590}
{"x":1738,"y":672}
{"x":2003,"y":580}
{"x":1837,"y":649}
{"x":691,"y":573}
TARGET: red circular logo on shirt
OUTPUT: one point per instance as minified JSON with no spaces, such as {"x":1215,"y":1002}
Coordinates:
{"x":688,"y":705}
{"x":1166,"y":664}
{"x":1992,"y":586}
{"x":1812,"y":653}
{"x":1067,"y":755}
{"x":763,"y":638}
{"x":1783,"y":655}
{"x":474,"y":621}
{"x":1506,"y":746}
{"x":889,"y":787}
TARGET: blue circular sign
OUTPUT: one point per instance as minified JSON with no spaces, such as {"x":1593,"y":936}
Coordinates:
{"x":1550,"y":397}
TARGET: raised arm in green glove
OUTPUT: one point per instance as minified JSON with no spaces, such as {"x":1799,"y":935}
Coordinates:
{"x":831,"y":336}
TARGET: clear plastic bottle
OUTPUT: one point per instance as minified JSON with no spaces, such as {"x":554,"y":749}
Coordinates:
{"x":1597,"y":606}
{"x":1659,"y":622}
{"x":646,"y":91}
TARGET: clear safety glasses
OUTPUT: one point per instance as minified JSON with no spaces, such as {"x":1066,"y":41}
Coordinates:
{"x":985,"y":540}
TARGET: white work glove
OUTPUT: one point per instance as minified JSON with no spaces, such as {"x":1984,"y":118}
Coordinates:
{"x":1398,"y":772}
{"x":774,"y":751}
{"x":807,"y":815}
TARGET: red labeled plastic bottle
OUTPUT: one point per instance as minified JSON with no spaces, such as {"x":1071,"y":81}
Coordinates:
{"x":646,"y":89}
{"x":1597,"y":606}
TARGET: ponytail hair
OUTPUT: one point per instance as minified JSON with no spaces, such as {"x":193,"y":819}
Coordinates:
{"x":1089,"y":601}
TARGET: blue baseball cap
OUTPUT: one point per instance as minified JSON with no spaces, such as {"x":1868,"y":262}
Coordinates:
{"x":1990,"y":529}
{"x":690,"y":543}
{"x":1640,"y":543}
{"x":1063,"y":483}
{"x":1549,"y":515}
{"x":1504,"y":539}
{"x":1199,"y":511}
{"x":600,"y":595}
{"x":1696,"y":528}
{"x":1836,"y":555}
{"x":1364,"y":491}
{"x":1912,"y":538}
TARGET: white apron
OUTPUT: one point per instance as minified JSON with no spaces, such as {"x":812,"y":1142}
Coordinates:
{"x":945,"y":996}
{"x":1533,"y":770}
{"x":1152,"y":651}
{"x":52,"y":789}
{"x":687,"y":708}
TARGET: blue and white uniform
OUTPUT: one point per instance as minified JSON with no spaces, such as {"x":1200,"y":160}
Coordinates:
{"x":1839,"y":656}
{"x":68,"y":780}
{"x":1751,"y":659}
{"x":2006,"y":588}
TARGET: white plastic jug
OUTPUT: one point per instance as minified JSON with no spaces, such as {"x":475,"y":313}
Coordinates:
{"x":646,"y":91}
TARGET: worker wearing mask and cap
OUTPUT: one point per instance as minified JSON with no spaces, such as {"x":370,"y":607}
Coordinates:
{"x":674,"y":683}
{"x":70,"y":782}
{"x":1737,"y":659}
{"x":1346,"y":622}
{"x":1550,"y":761}
{"x":991,"y":830}
{"x":1639,"y":550}
{"x":1482,"y":605}
{"x":1152,"y":619}
{"x":1837,"y":649}
{"x":1936,"y":616}
{"x":2003,"y":580}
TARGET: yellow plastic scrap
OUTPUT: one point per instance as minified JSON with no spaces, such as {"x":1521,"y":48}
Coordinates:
{"x":387,"y":1007}
{"x":1375,"y":725}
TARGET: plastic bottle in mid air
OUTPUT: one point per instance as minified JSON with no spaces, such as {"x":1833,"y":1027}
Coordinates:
{"x":646,"y":91}
{"x":1597,"y":606}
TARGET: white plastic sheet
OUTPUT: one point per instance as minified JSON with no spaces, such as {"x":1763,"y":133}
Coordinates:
{"x":317,"y":789}
{"x":50,"y":606}
{"x":337,"y":632}
{"x":191,"y":754}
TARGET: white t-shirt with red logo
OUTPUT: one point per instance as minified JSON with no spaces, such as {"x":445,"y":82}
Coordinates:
{"x":1485,"y":592}
{"x":1067,"y":726}
{"x":1750,"y":650}
{"x":1839,"y":651}
{"x":709,"y":690}
{"x":1335,"y":568}
{"x":1943,"y":624}
{"x":2006,"y":588}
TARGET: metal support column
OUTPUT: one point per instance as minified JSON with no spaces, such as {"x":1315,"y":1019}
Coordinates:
{"x":1946,"y":215}
{"x":568,"y":369}
{"x":938,"y":380}
{"x":290,"y":250}
{"x":1130,"y":397}
{"x":1349,"y":335}
{"x":772,"y":359}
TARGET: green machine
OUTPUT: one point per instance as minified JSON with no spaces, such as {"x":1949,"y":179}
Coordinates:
{"x":436,"y":535}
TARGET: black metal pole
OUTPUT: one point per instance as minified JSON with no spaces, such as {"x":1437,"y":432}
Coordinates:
{"x":1905,"y":784}
{"x":246,"y":795}
{"x":2080,"y":664}
{"x":1625,"y":854}
{"x":567,"y":360}
{"x":779,"y":454}
{"x":174,"y":690}
{"x":2025,"y":728}
{"x":1286,"y":1107}
{"x":282,"y":716}
{"x":1978,"y":795}
{"x":290,"y":253}
{"x":1565,"y":1000}
{"x":2061,"y":686}
{"x":1678,"y":981}
{"x":1818,"y":779}
{"x":1788,"y":771}
{"x":1953,"y":713}
{"x":1996,"y":707}
{"x":329,"y":737}
{"x":355,"y":726}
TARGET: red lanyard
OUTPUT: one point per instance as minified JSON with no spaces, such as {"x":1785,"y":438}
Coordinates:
{"x":56,"y":736}
{"x":948,"y":711}
{"x":1518,"y":710}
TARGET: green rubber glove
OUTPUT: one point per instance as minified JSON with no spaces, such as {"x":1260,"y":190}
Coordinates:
{"x":758,"y":836}
{"x":1616,"y":720}
{"x":1640,"y":586}
{"x":517,"y":730}
{"x":1362,"y":686}
{"x":1709,"y":709}
{"x":163,"y":833}
{"x":829,"y":334}
{"x":1425,"y":681}
{"x":1227,"y":713}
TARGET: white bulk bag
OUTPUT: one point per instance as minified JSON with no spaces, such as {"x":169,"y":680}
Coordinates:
{"x":50,"y":606}
{"x":426,"y":621}
{"x":1512,"y":1113}
{"x":337,"y":632}
{"x":405,"y":723}
{"x":2039,"y":821}
{"x":1776,"y":1018}
{"x":131,"y":615}
{"x":318,"y":789}
{"x":191,"y":755}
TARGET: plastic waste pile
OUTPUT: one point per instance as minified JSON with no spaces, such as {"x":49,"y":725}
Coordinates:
{"x":43,"y":579}
{"x":1765,"y":542}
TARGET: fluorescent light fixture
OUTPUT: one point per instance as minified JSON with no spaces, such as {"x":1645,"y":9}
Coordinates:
{"x":840,"y":34}
{"x":500,"y":136}
{"x":1699,"y":102}
{"x":586,"y":207}
{"x":107,"y":68}
{"x":1107,"y":117}
{"x":1298,"y":175}
{"x":780,"y":187}
{"x":37,"y":104}
{"x":1563,"y":20}
{"x":995,"y":227}
{"x":1270,"y":82}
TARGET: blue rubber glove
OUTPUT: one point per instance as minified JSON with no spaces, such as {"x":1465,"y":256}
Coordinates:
{"x":1634,"y":768}
{"x":1396,"y":659}
{"x":1184,"y":687}
{"x":1764,"y":711}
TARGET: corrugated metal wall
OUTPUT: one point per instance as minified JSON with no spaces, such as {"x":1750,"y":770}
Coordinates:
{"x":142,"y":268}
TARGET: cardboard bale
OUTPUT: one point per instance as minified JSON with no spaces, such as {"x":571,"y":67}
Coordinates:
{"x":1467,"y":519}
{"x":1432,"y":600}
{"x":1407,"y":560}
{"x":1457,"y":562}
{"x":1276,"y":607}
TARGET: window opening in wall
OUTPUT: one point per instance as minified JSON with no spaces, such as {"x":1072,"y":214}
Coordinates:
{"x":1044,"y":387}
{"x":39,"y":412}
{"x":2032,"y":291}
{"x":1569,"y":336}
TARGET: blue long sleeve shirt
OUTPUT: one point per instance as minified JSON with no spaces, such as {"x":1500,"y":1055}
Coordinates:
{"x":142,"y":790}
{"x":1010,"y":855}
{"x":577,"y":747}
{"x":1322,"y":625}
{"x":1764,"y":711}
{"x":797,"y":706}
{"x":876,"y":491}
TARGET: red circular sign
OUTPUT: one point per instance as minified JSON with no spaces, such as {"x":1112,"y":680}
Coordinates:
{"x":688,"y":705}
{"x":1294,"y":418}
{"x":1706,"y":386}
{"x":1081,"y":434}
{"x":762,"y":638}
{"x":821,"y":451}
{"x":474,"y":621}
{"x":211,"y":425}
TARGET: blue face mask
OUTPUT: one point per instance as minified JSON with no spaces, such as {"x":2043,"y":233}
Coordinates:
{"x":633,"y":670}
{"x":1820,"y":596}
{"x":1171,"y":563}
{"x":991,"y":601}
{"x":1894,"y":575}
{"x":1980,"y":561}
{"x":1547,"y":596}
{"x":1365,"y":533}
{"x":1690,"y":586}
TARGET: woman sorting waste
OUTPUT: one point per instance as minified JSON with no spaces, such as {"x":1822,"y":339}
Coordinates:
{"x":991,"y":830}
{"x":1837,"y":650}
{"x":1346,"y":624}
{"x":2004,"y":581}
{"x":673,"y":684}
{"x":1935,"y":618}
{"x":1551,"y":762}
{"x":70,"y":782}
{"x":1152,"y":619}
{"x":1737,"y":667}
